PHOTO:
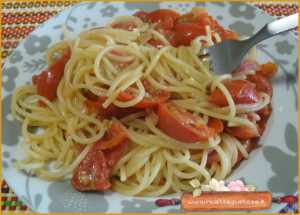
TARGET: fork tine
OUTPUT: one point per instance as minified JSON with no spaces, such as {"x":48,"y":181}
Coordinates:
{"x":226,"y":56}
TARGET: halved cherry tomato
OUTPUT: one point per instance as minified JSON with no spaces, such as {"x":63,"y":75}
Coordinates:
{"x":261,"y":84}
{"x":267,"y":70}
{"x":200,"y":17}
{"x":142,"y":15}
{"x":242,"y":92}
{"x":185,"y":33}
{"x":165,"y":18}
{"x":182,"y":125}
{"x":47,"y":82}
{"x":129,"y":26}
{"x":94,"y":171}
{"x":242,"y":132}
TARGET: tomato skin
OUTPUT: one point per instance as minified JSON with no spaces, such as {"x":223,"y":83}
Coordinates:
{"x":94,"y":171}
{"x":185,"y":33}
{"x":181,"y":125}
{"x":47,"y":81}
{"x":165,"y":18}
{"x":242,"y":132}
{"x":261,"y":84}
{"x":242,"y":92}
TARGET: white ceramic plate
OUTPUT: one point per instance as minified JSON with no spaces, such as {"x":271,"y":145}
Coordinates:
{"x":272,"y":167}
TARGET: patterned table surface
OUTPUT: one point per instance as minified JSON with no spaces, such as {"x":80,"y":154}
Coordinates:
{"x":21,"y":18}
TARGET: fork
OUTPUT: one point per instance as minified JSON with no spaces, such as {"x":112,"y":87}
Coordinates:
{"x":229,"y":54}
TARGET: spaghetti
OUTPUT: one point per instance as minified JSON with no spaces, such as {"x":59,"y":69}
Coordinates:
{"x":134,"y":107}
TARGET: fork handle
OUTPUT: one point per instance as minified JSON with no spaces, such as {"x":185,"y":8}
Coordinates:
{"x":272,"y":29}
{"x":283,"y":24}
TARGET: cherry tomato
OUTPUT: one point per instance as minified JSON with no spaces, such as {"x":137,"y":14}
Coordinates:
{"x":165,"y":18}
{"x":267,"y":70}
{"x":47,"y":82}
{"x":142,"y":15}
{"x":94,"y":171}
{"x":242,"y":92}
{"x":200,"y":17}
{"x":261,"y":83}
{"x":182,"y":125}
{"x":185,"y":33}
{"x":242,"y":132}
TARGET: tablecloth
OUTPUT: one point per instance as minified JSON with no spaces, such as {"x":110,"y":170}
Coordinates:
{"x":21,"y":18}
